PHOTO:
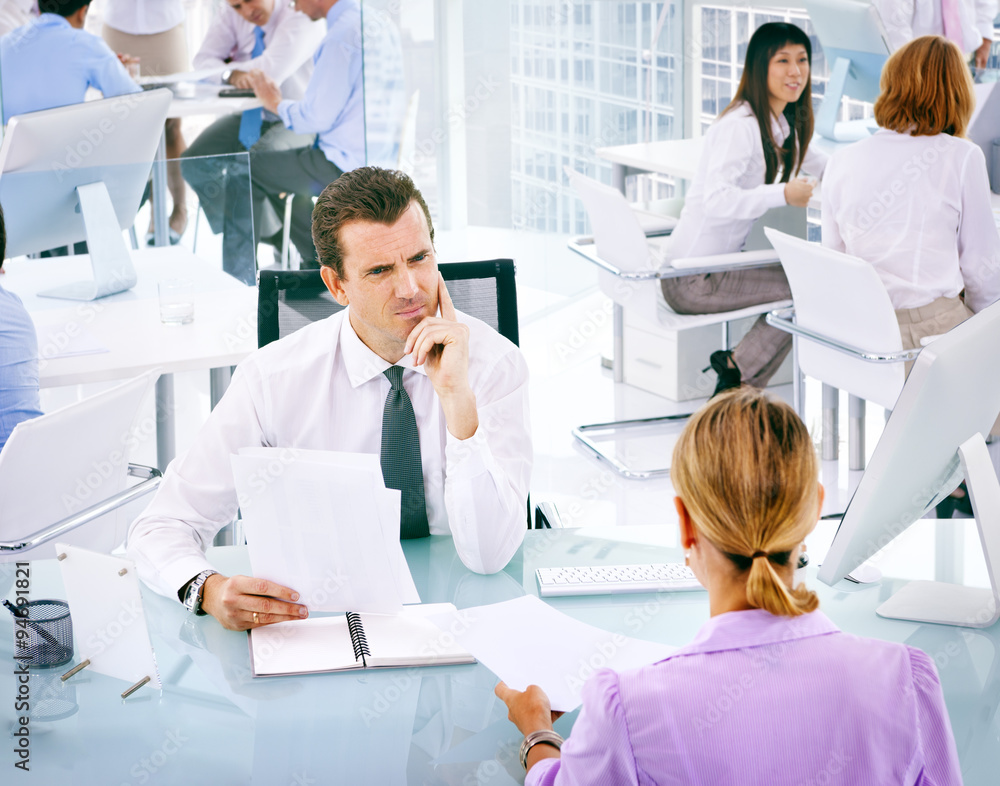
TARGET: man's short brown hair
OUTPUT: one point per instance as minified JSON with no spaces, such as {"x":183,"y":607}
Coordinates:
{"x":368,"y":193}
{"x":926,"y":89}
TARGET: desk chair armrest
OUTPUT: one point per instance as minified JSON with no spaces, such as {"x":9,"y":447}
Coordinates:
{"x":781,"y":318}
{"x":150,"y":480}
{"x":765,"y":256}
{"x":689,"y":266}
{"x":584,"y":246}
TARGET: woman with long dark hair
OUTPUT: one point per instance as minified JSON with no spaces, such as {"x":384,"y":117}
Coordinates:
{"x":753,"y":160}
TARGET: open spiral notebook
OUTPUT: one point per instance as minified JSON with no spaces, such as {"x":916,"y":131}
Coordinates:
{"x":355,"y":641}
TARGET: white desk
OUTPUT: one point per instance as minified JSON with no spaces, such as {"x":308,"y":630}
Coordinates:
{"x":679,"y":158}
{"x":223,"y":332}
{"x":675,"y":157}
{"x":203,"y":99}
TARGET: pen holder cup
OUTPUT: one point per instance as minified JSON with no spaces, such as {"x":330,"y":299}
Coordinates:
{"x":44,"y":638}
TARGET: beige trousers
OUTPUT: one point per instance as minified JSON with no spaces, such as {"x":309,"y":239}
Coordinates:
{"x":159,"y":53}
{"x":935,"y":318}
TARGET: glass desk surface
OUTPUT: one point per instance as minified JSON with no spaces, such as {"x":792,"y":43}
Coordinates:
{"x":212,"y":722}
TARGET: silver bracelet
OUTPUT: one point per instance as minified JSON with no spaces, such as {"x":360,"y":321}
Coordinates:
{"x":546,"y":736}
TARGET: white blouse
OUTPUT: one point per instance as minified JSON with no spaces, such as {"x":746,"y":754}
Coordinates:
{"x":728,"y":193}
{"x":143,"y":17}
{"x":918,"y":209}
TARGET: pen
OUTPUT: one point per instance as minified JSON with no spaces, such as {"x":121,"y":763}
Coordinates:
{"x":14,"y":609}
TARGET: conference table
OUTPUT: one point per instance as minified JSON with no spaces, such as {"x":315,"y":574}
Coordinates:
{"x":121,"y":336}
{"x":213,"y":723}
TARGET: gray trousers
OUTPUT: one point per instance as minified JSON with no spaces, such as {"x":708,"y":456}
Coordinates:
{"x":762,"y":350}
{"x":208,"y":176}
{"x":304,"y":172}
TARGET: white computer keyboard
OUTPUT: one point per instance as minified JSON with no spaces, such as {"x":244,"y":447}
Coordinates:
{"x":616,"y":579}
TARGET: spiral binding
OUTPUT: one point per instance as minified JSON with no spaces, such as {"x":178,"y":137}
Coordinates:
{"x":358,"y":639}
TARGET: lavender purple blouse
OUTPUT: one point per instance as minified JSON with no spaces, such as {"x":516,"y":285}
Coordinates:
{"x":757,"y":698}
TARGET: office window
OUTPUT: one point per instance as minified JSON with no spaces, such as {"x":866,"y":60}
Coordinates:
{"x":615,"y":83}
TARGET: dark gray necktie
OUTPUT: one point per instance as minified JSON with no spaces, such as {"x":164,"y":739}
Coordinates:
{"x":401,"y":456}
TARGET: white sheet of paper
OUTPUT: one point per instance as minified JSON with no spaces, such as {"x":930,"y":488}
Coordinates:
{"x":525,"y":642}
{"x":62,"y":340}
{"x":318,"y":526}
{"x":182,"y":76}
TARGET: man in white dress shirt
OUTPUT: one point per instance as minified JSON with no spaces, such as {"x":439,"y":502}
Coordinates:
{"x":325,"y":387}
{"x":969,"y":23}
{"x":284,"y":41}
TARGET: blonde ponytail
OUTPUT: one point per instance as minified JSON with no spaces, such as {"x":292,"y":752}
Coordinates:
{"x":746,"y":470}
{"x":766,"y":590}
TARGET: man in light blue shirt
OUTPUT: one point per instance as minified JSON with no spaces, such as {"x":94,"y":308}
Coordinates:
{"x":52,"y":60}
{"x":18,"y":358}
{"x":333,"y":109}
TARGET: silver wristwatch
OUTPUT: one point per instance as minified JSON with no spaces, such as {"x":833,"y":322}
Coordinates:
{"x":195,"y":591}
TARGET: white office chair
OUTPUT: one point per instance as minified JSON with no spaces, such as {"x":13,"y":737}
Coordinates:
{"x":632,"y":265}
{"x":846,"y":335}
{"x":69,"y":468}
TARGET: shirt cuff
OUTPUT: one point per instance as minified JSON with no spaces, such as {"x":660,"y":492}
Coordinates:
{"x":775,"y":195}
{"x":181,"y":572}
{"x":285,"y":112}
{"x":466,"y":458}
{"x":543,"y":773}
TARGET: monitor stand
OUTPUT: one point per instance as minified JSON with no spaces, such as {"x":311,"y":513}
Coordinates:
{"x":826,"y":117}
{"x":954,"y":604}
{"x":109,"y":256}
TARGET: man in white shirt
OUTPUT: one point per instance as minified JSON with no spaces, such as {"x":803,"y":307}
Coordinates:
{"x":271,"y":37}
{"x":327,"y":387}
{"x":905,"y":20}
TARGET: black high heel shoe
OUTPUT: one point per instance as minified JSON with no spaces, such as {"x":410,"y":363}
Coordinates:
{"x":725,"y":367}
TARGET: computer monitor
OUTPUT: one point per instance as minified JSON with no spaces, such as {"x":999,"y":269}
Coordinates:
{"x":78,"y":173}
{"x":984,"y":126}
{"x":933,"y":438}
{"x":856,"y":47}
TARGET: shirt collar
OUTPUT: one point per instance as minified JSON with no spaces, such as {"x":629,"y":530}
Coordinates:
{"x":276,"y":18}
{"x":340,"y":7}
{"x":755,"y":628}
{"x":779,"y":128}
{"x":53,"y":19}
{"x":361,"y":363}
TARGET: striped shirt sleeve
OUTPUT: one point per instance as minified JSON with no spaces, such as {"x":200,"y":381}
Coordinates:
{"x":935,"y":739}
{"x":599,"y":750}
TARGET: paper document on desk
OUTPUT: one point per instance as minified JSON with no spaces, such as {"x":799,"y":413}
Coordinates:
{"x":183,"y":76}
{"x":324,"y":524}
{"x":65,"y":340}
{"x":525,"y":642}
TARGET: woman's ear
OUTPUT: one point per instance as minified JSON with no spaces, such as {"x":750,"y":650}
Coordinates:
{"x":688,"y":536}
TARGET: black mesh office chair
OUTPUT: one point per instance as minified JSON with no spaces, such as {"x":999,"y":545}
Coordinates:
{"x":291,"y":299}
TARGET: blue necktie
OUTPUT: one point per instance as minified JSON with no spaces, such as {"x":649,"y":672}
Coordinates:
{"x":252,"y":119}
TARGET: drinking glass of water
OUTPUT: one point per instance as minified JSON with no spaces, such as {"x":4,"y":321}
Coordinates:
{"x":176,"y":302}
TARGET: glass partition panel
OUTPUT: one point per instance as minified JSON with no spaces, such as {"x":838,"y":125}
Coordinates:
{"x":500,"y":97}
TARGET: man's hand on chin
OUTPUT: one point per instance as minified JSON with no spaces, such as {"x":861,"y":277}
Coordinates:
{"x":441,"y":346}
